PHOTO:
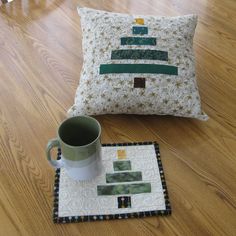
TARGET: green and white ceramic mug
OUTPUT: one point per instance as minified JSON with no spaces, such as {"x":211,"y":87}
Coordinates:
{"x":79,"y":140}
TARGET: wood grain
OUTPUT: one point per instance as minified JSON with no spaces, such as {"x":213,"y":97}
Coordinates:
{"x":40,"y":63}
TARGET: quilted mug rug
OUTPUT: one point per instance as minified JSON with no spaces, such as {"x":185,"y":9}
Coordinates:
{"x":132,"y":184}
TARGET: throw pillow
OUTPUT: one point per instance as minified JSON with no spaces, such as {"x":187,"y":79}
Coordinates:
{"x":137,"y":65}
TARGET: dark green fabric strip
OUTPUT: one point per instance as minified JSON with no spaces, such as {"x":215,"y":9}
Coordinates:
{"x":123,"y":189}
{"x":138,"y":68}
{"x":140,"y":30}
{"x":138,"y":41}
{"x":139,"y":54}
{"x":124,"y":177}
{"x":121,"y":165}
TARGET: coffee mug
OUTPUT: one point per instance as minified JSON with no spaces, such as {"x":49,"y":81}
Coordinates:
{"x":79,"y":140}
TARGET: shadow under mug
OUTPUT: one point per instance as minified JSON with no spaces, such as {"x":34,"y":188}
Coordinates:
{"x":79,"y":140}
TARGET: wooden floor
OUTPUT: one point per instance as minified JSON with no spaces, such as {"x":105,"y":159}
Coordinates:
{"x":40,"y":63}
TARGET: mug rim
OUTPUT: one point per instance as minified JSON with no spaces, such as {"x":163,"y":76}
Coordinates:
{"x":84,"y":116}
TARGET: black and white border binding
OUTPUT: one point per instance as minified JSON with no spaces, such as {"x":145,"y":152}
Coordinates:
{"x":73,"y":219}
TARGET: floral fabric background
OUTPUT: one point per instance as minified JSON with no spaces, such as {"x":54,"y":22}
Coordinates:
{"x":81,"y":197}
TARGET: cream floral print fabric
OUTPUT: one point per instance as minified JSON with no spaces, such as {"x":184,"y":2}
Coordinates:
{"x":82,"y":197}
{"x":137,"y":65}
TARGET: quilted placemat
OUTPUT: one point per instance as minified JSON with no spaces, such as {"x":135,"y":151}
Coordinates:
{"x":132,"y":184}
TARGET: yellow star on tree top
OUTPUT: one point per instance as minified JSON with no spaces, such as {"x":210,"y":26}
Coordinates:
{"x":139,"y":21}
{"x":121,"y":154}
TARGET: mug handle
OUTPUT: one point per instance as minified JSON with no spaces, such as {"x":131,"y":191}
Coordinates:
{"x":52,"y":144}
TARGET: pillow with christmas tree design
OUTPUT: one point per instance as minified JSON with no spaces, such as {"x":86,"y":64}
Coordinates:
{"x":137,"y":65}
